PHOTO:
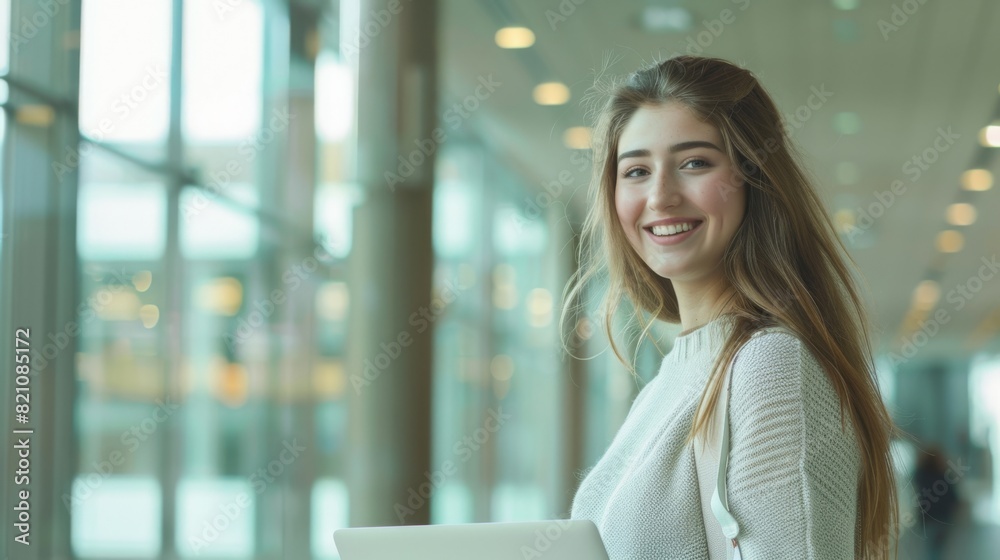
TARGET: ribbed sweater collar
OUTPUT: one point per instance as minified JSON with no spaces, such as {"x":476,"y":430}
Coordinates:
{"x":707,"y":338}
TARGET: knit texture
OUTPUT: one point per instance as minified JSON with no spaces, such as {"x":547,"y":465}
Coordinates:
{"x":792,"y":476}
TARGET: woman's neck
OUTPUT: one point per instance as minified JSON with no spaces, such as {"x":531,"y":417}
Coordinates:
{"x":700,"y":302}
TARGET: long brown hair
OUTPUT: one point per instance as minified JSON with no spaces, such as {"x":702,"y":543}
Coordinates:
{"x":786,"y":264}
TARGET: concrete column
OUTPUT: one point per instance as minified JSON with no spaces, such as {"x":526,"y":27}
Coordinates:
{"x":391,"y":263}
{"x":573,"y":388}
{"x":296,"y":195}
{"x":39,"y":278}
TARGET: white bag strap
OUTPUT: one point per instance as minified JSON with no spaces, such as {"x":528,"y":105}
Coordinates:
{"x":720,"y":502}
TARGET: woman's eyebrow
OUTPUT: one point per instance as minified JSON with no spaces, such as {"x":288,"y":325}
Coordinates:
{"x":679,"y":147}
{"x":632,"y":154}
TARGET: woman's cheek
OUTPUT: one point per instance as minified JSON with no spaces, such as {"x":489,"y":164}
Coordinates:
{"x":623,"y":207}
{"x":717,"y":192}
{"x":627,"y":216}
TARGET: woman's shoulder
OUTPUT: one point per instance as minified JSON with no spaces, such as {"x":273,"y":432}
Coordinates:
{"x":776,"y":378}
{"x":773,"y":341}
{"x":775,"y":358}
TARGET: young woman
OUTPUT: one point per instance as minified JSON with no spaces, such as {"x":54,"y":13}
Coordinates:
{"x":701,"y":216}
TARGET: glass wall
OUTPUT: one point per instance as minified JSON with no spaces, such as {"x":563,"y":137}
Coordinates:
{"x":215,"y":184}
{"x":498,"y":375}
{"x":208,"y":415}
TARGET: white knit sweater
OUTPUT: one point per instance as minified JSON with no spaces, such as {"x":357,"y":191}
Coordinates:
{"x":792,"y":476}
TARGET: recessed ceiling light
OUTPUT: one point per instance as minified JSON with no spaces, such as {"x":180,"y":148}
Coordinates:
{"x":577,"y":138}
{"x":847,"y":122}
{"x":989,"y":136}
{"x":926,"y":295}
{"x":665,"y":18}
{"x":844,"y":220}
{"x":950,"y":241}
{"x":846,"y":30}
{"x":977,"y":180}
{"x":914,"y":319}
{"x":845,"y":4}
{"x":515,"y":38}
{"x":551,"y":93}
{"x":961,"y":214}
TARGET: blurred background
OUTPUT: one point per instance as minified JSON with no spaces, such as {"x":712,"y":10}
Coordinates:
{"x":289,"y":266}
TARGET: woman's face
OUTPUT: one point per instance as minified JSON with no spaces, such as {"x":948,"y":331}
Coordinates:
{"x":678,"y":196}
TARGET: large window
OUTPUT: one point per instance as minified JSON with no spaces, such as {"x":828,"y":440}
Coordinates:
{"x":209,"y":380}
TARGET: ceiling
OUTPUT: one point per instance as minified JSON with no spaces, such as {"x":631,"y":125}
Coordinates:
{"x":938,"y":70}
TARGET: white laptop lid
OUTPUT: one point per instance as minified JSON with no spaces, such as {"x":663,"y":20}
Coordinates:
{"x":557,"y":539}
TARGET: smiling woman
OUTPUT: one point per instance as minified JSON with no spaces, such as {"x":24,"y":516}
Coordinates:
{"x":702,"y":216}
{"x":676,"y":195}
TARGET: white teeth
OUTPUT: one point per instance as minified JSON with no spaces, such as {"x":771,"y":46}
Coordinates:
{"x":672,"y":229}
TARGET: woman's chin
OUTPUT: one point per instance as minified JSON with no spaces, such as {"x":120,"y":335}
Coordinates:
{"x":669,"y":271}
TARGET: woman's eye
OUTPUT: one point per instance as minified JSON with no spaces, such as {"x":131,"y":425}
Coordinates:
{"x":703,"y":163}
{"x":632,"y":172}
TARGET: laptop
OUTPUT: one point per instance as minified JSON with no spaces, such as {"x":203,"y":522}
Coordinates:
{"x":557,"y":539}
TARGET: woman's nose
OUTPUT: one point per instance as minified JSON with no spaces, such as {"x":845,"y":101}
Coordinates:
{"x":663,"y":192}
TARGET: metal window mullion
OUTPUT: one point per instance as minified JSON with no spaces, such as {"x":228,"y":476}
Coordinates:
{"x":172,"y":333}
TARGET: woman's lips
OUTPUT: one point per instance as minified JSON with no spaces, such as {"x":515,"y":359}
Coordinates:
{"x":672,"y":239}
